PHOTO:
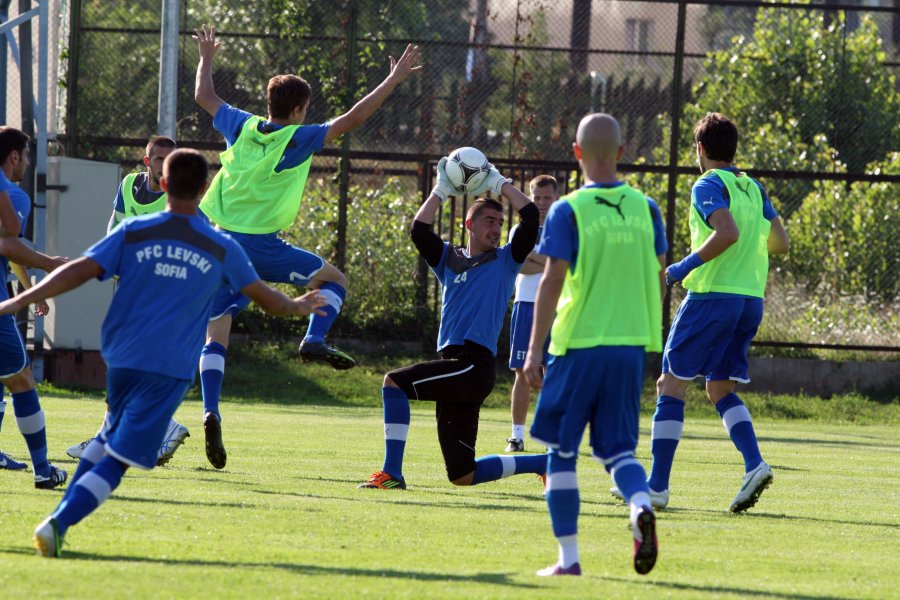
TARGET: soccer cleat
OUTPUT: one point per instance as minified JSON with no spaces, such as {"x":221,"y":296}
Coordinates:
{"x":645,"y":548}
{"x":383,"y":481}
{"x":515,"y":445}
{"x":78,"y":449}
{"x":175,"y":437}
{"x":558,"y":569}
{"x":56,"y":478}
{"x":322,"y":352}
{"x":8,"y":462}
{"x":754,"y":483}
{"x":658,"y":500}
{"x":47,"y":540}
{"x":215,"y":449}
{"x":543,"y":478}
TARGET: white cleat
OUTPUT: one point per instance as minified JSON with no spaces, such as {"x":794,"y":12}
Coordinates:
{"x":658,"y":500}
{"x":754,"y":483}
{"x":175,"y":437}
{"x":47,"y":540}
{"x":78,"y":449}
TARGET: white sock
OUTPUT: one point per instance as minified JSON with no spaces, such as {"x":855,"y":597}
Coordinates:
{"x":568,"y":550}
{"x":518,"y":432}
{"x":637,"y":503}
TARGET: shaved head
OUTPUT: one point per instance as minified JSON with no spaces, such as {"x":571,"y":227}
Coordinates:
{"x":599,"y":137}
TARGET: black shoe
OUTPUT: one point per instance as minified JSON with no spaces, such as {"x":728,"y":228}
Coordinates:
{"x":322,"y":352}
{"x":56,"y":478}
{"x":515,"y":445}
{"x":645,"y":551}
{"x":215,"y":449}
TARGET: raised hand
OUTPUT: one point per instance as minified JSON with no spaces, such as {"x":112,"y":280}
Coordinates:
{"x":408,"y":63}
{"x":206,"y":38}
{"x":442,"y":187}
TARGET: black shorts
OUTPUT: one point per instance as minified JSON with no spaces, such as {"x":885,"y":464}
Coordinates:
{"x":458,"y":383}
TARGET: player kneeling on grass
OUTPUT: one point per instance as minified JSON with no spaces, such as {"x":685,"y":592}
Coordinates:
{"x":477,"y":283}
{"x":175,"y":262}
{"x":602,"y":283}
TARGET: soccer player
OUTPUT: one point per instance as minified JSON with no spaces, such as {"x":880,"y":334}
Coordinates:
{"x":141,"y":194}
{"x":170,"y":266}
{"x":544,"y":192}
{"x":257,"y":193}
{"x":477,"y":283}
{"x":602,"y":284}
{"x":734,"y":229}
{"x":15,"y":369}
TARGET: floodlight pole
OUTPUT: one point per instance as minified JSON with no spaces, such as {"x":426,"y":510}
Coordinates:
{"x":168,"y":69}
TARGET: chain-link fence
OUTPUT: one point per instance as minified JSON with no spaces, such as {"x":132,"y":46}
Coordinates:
{"x":813,"y":88}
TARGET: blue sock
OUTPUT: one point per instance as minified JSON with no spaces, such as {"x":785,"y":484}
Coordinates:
{"x":2,"y":409}
{"x":563,"y":499}
{"x":739,"y":426}
{"x":212,"y":372}
{"x":494,"y":467}
{"x":30,"y":419}
{"x":89,"y":493}
{"x":334,"y":295}
{"x":628,"y":475}
{"x":668,"y":425}
{"x":396,"y":427}
{"x":93,"y":453}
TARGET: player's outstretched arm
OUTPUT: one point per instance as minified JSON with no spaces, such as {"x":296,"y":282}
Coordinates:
{"x":41,"y":308}
{"x":276,"y":303}
{"x":68,"y":277}
{"x":725,"y":234}
{"x":204,"y":90}
{"x":778,"y":243}
{"x":545,"y":303}
{"x":17,"y":251}
{"x":362,"y":110}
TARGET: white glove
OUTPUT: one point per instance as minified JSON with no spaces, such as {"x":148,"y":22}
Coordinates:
{"x":493,"y":183}
{"x":442,"y":187}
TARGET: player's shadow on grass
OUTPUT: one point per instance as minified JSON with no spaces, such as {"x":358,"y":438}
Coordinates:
{"x":157,"y":500}
{"x":764,"y":515}
{"x":716,"y":590}
{"x":802,"y":441}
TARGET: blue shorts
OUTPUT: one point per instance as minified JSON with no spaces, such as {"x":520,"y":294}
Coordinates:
{"x":13,"y":356}
{"x":520,"y":334}
{"x":711,"y":338}
{"x":140,"y":407}
{"x":275,"y":261}
{"x":600,"y":386}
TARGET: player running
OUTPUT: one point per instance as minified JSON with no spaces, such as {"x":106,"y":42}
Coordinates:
{"x":602,"y":285}
{"x":141,"y":194}
{"x":172,"y":263}
{"x":477,"y":283}
{"x":15,"y":369}
{"x":257,"y":193}
{"x":734,"y":229}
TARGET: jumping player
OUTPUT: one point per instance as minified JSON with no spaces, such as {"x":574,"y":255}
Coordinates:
{"x":257,"y":193}
{"x":544,"y":192}
{"x":141,"y":194}
{"x":477,"y":283}
{"x":171,"y":264}
{"x":601,"y":284}
{"x":734,"y":229}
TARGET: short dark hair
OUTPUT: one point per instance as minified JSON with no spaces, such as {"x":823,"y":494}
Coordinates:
{"x":543,"y":180}
{"x":481,"y":204}
{"x":159,"y":140}
{"x":718,"y":135}
{"x":185,"y":172}
{"x":12,"y":140}
{"x":286,"y":92}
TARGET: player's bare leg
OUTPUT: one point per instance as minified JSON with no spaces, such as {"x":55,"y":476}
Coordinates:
{"x":521,"y":398}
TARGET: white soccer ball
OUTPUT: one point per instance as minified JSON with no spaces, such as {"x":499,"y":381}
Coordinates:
{"x":466,"y":169}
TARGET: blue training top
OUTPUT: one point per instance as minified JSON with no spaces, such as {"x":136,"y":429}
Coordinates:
{"x":170,"y":268}
{"x":559,"y":238}
{"x":307,"y":140}
{"x":475,"y":294}
{"x":21,"y":204}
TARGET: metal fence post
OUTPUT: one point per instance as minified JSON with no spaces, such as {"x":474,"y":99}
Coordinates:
{"x":343,"y":200}
{"x":167,"y":110}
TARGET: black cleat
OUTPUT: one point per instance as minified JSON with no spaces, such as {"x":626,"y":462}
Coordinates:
{"x":515,"y":445}
{"x":215,"y":449}
{"x":322,"y":352}
{"x":645,"y":549}
{"x":56,"y":478}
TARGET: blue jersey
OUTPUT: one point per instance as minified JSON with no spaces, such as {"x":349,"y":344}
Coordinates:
{"x":21,"y":204}
{"x":559,"y":238}
{"x":307,"y":140}
{"x":170,"y":268}
{"x":475,"y":295}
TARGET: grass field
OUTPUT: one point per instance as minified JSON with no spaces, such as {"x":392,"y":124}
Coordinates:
{"x":285,"y":519}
